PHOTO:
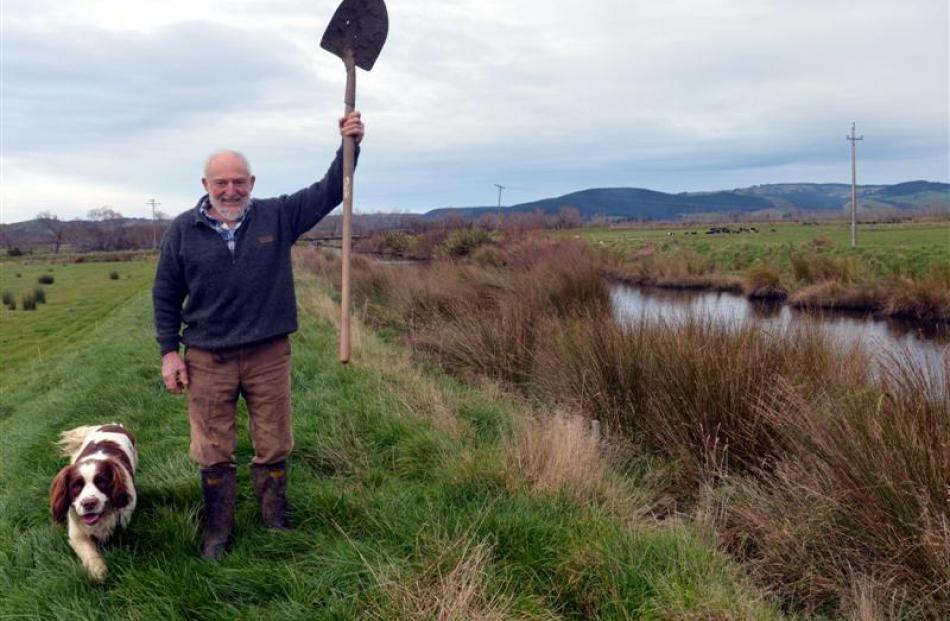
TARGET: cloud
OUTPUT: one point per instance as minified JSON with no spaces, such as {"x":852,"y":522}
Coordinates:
{"x":543,"y":97}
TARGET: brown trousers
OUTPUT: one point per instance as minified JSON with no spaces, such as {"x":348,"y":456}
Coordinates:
{"x":261,"y":374}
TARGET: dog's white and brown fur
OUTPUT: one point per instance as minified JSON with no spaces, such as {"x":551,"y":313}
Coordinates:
{"x":96,"y":491}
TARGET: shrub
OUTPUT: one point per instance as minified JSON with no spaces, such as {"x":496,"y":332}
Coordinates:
{"x":19,"y":275}
{"x":46,"y":279}
{"x":462,"y":242}
{"x":28,"y":301}
{"x":397,"y":243}
{"x":7,"y":297}
{"x":427,"y":244}
{"x":114,"y":275}
{"x":39,"y":294}
{"x":387,"y":243}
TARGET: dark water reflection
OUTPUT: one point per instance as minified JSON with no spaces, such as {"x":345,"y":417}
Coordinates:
{"x":928,"y":343}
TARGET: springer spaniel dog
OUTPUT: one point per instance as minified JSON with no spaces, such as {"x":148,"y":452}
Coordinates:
{"x":96,"y":491}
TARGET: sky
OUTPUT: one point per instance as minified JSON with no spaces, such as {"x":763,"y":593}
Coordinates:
{"x":118,"y":102}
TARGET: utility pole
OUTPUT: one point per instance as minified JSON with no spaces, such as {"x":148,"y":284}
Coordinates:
{"x":854,"y":187}
{"x":500,"y":188}
{"x":154,"y":204}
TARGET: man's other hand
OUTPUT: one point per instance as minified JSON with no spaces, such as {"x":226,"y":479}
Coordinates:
{"x":174,"y":372}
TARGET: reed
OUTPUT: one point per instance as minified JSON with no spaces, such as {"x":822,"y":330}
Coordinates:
{"x":861,"y":495}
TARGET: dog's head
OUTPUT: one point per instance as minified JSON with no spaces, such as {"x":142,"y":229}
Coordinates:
{"x":92,"y":488}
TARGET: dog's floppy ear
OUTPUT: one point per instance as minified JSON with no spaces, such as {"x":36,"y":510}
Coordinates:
{"x":59,"y":495}
{"x":119,"y":492}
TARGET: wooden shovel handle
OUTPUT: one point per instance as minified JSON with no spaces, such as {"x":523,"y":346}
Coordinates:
{"x":349,"y":150}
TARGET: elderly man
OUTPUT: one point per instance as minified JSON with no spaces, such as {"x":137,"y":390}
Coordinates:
{"x":225,"y":273}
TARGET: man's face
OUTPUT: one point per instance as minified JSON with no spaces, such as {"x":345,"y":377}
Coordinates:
{"x":229,"y":184}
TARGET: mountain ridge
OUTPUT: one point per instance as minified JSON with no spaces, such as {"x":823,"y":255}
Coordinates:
{"x":626,"y":203}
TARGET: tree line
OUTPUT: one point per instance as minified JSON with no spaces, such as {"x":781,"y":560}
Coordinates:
{"x":105,"y":229}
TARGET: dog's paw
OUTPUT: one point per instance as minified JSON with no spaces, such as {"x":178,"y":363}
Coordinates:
{"x":97,"y":570}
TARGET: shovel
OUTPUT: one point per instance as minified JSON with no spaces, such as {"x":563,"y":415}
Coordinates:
{"x":356,"y":34}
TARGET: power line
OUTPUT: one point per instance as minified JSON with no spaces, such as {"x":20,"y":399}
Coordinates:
{"x":154,"y":204}
{"x":500,"y":188}
{"x":854,"y":187}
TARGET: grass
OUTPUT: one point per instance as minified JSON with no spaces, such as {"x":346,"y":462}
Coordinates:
{"x":916,"y":245}
{"x":78,"y":300}
{"x":414,"y":497}
{"x":831,"y":474}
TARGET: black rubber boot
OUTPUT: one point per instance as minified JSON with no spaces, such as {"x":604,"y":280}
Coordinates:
{"x":218,"y":485}
{"x":270,"y":487}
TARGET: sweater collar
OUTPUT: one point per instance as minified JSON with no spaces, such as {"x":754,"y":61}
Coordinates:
{"x":203,"y":213}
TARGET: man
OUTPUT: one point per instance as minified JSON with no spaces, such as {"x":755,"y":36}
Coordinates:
{"x":225,"y":273}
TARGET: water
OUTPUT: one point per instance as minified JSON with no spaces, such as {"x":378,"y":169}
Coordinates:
{"x":930,"y":344}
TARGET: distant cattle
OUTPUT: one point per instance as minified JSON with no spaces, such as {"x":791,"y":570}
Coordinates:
{"x":725,"y":230}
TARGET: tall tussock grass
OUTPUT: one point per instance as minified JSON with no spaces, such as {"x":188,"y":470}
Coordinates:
{"x":827,"y":473}
{"x":812,"y":268}
{"x":861,"y":493}
{"x":927,"y":298}
{"x":691,"y":389}
{"x":560,"y":452}
{"x":478,"y":319}
{"x":763,"y":282}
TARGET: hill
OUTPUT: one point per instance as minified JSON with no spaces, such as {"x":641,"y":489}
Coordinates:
{"x":644,"y":204}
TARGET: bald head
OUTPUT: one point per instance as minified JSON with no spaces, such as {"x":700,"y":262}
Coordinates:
{"x":228,"y":181}
{"x":229,"y":158}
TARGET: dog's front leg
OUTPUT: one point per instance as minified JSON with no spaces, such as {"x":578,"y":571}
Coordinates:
{"x":87,"y":551}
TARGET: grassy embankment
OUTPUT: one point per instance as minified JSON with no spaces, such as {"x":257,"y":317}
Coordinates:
{"x":414,"y":496}
{"x":900,"y":270}
{"x":829,"y":481}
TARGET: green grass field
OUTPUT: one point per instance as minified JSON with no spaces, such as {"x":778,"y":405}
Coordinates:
{"x":906,"y":248}
{"x":80,"y":297}
{"x":404,"y":503}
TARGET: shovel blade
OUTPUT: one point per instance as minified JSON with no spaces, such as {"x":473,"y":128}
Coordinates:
{"x":358,"y":30}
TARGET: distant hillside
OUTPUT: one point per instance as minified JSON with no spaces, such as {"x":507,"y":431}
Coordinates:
{"x":642,"y":204}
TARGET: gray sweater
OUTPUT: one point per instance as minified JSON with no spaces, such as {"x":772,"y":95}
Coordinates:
{"x":227,"y":300}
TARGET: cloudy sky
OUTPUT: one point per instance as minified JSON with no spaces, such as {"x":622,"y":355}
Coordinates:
{"x":115,"y":102}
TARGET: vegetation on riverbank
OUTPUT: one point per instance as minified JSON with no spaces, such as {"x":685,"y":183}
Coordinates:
{"x":414,"y":496}
{"x":898,"y":270}
{"x":826,"y":476}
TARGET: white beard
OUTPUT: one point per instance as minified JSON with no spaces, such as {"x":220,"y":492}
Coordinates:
{"x":230,"y":211}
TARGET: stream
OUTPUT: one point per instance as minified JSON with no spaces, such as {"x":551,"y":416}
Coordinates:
{"x":928,"y":343}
